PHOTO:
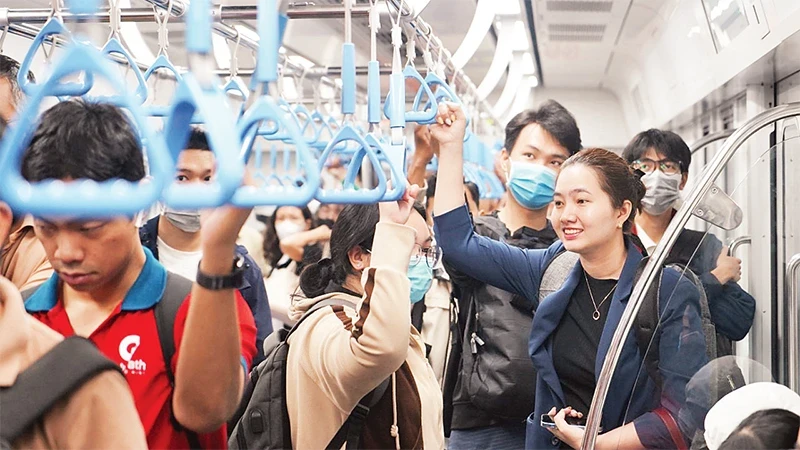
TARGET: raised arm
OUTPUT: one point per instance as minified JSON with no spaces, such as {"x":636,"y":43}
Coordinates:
{"x":294,"y":246}
{"x":377,"y":344}
{"x":496,"y":263}
{"x":208,"y":389}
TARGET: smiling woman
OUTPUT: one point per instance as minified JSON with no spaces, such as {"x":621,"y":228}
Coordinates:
{"x":595,"y":202}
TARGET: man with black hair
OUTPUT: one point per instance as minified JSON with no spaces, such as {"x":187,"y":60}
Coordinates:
{"x":176,"y":241}
{"x":10,"y":92}
{"x":664,"y":159}
{"x":490,"y":393}
{"x":109,"y":288}
{"x":22,"y":259}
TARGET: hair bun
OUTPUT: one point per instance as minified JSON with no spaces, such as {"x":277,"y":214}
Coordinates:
{"x":316,"y":277}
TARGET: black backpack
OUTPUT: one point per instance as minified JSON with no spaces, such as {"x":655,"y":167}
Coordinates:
{"x":58,"y":373}
{"x":175,"y":292}
{"x":262,"y":421}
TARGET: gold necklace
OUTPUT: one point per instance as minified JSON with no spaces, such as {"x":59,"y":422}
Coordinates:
{"x":596,"y":313}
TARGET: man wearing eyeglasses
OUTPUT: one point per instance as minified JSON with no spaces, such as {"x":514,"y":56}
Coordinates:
{"x":664,"y":158}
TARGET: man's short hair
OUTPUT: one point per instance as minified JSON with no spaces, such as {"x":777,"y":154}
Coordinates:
{"x":198,"y":140}
{"x":667,"y":143}
{"x":553,"y":118}
{"x":78,"y":139}
{"x":9,"y":70}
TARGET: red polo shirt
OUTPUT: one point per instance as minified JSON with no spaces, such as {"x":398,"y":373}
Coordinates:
{"x":130,"y":338}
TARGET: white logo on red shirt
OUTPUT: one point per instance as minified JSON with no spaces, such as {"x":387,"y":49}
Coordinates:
{"x":127,"y":347}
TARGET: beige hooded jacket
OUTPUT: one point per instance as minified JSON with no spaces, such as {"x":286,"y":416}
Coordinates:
{"x":338,"y":355}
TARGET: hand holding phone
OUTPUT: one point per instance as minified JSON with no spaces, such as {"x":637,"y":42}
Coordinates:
{"x":547,"y":422}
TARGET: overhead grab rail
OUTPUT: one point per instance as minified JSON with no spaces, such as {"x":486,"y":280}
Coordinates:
{"x":198,"y":93}
{"x":83,"y":197}
{"x":348,"y":192}
{"x":263,"y":108}
{"x":53,"y":27}
{"x":679,"y":221}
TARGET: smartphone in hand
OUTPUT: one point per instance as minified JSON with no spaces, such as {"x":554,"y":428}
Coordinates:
{"x":548,"y":422}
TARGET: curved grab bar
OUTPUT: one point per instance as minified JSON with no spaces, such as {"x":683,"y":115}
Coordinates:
{"x":81,"y":198}
{"x":792,"y":324}
{"x":738,"y":242}
{"x":74,"y":89}
{"x":115,"y":46}
{"x":698,"y":191}
{"x":710,"y":139}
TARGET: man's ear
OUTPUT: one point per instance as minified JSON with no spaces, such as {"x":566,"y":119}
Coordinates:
{"x":6,"y":220}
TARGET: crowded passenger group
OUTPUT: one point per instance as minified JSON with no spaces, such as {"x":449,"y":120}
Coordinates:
{"x":445,"y":319}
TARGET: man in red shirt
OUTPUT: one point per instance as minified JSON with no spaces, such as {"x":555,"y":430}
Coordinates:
{"x":106,"y":286}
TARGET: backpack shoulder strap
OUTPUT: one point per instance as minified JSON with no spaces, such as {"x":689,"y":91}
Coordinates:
{"x":350,"y":431}
{"x":556,"y":272}
{"x":75,"y":359}
{"x":647,"y":321}
{"x":166,"y":310}
{"x":709,"y":329}
{"x":175,"y":292}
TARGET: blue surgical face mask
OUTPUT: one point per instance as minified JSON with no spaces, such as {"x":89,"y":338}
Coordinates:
{"x":421,"y":278}
{"x":532,"y":185}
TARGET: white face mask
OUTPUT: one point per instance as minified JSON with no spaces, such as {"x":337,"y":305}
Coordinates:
{"x":663,"y":191}
{"x":287,"y":228}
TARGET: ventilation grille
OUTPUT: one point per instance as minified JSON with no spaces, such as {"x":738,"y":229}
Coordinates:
{"x":573,"y":28}
{"x":579,"y":5}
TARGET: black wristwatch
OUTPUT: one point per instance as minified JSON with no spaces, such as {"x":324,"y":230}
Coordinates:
{"x":234,"y":280}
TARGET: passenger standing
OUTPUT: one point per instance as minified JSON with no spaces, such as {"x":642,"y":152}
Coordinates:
{"x":107,"y":286}
{"x":176,"y":241}
{"x":99,"y":413}
{"x":22,"y":260}
{"x":491,"y":390}
{"x":595,"y":202}
{"x":341,"y":353}
{"x":664,"y":158}
{"x":290,"y":244}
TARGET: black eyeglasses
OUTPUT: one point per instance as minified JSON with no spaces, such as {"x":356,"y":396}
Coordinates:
{"x":431,"y":255}
{"x":667,"y":166}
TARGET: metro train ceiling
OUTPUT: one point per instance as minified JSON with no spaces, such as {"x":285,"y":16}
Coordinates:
{"x":578,"y":40}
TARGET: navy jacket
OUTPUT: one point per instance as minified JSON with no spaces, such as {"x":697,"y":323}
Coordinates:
{"x":253,"y":291}
{"x":632,"y":395}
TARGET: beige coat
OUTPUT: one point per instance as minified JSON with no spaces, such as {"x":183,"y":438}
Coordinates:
{"x":338,"y":355}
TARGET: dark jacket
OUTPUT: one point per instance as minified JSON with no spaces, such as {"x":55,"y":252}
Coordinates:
{"x":495,"y":380}
{"x":633,"y":396}
{"x":732,"y":309}
{"x":253,"y":291}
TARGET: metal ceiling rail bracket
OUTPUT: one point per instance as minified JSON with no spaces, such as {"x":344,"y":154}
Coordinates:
{"x":41,"y":15}
{"x":697,"y":193}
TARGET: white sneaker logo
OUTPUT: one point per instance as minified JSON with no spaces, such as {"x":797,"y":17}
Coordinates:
{"x":127,"y":347}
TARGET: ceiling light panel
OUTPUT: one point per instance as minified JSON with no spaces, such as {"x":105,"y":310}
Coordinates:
{"x":579,"y":5}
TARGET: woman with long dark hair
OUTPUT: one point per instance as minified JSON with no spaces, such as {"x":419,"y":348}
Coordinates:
{"x":381,"y":261}
{"x":595,"y":202}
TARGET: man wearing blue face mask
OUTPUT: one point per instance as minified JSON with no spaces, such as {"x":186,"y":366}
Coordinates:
{"x":175,"y":241}
{"x":490,"y":384}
